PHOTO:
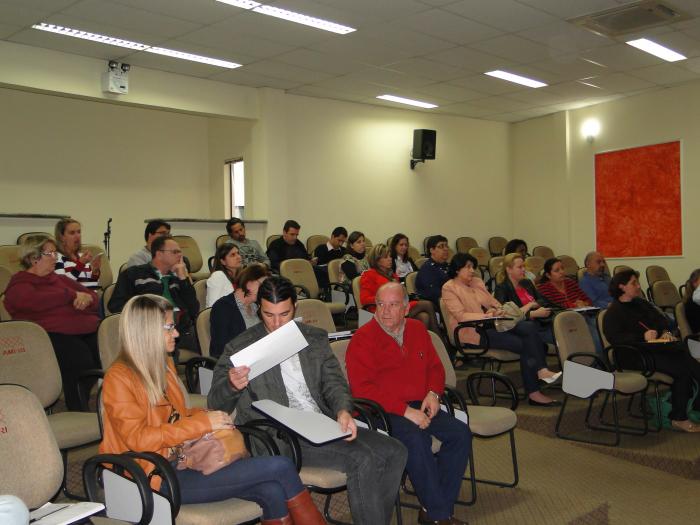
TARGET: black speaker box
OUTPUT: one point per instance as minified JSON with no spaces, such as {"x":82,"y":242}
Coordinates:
{"x":424,"y":143}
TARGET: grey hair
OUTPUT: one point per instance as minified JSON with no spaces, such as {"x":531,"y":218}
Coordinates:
{"x":588,"y":256}
{"x":31,"y":248}
{"x":393,"y":284}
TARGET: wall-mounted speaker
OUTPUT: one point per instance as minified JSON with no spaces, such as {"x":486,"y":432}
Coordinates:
{"x":424,"y":144}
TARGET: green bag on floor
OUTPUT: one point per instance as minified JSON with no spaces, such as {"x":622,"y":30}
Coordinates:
{"x":693,"y":415}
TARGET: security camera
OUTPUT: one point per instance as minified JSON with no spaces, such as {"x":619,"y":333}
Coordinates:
{"x":126,"y":68}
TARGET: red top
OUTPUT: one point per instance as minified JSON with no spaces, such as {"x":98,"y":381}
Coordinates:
{"x":572,"y":293}
{"x":381,"y":371}
{"x":48,"y":301}
{"x":370,"y":281}
{"x":525,"y":298}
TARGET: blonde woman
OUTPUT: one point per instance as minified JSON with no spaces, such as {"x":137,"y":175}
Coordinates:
{"x":145,"y":410}
{"x":80,"y":265}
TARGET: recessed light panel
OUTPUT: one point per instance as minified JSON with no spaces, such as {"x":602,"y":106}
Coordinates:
{"x":656,"y":49}
{"x":401,"y":100}
{"x":512,"y":77}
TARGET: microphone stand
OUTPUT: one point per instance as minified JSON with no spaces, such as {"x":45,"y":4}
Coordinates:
{"x":108,"y":234}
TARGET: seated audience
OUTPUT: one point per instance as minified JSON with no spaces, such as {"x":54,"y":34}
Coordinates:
{"x":433,"y":274}
{"x":154,"y":229}
{"x":145,"y":410}
{"x":401,"y":263}
{"x":312,"y":380}
{"x":165,"y":275}
{"x":520,"y":247}
{"x":391,"y":360}
{"x":333,"y":249}
{"x":564,"y":292}
{"x":691,"y":301}
{"x":595,"y":282}
{"x":227,"y":265}
{"x":234,"y":313}
{"x":288,"y":246}
{"x":631,"y":320}
{"x":467,"y":299}
{"x":72,"y":261}
{"x":61,"y":306}
{"x":354,"y":261}
{"x":379,"y":273}
{"x":250,"y":249}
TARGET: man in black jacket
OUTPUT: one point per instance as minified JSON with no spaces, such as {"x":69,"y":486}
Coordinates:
{"x":288,"y":246}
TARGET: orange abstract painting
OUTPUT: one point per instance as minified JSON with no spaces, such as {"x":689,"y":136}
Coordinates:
{"x":638,"y":201}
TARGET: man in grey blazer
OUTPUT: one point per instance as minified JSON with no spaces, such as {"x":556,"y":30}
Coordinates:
{"x":313,"y":380}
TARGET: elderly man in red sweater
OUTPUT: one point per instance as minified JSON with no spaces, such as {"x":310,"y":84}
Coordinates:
{"x":392,"y":361}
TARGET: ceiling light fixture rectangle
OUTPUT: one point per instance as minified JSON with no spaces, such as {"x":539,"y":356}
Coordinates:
{"x":243,"y":4}
{"x":401,"y":100}
{"x":512,"y":77}
{"x":656,"y":49}
{"x":192,"y":58}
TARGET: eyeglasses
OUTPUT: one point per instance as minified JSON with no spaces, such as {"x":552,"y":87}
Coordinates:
{"x":50,"y":254}
{"x":389,"y":306}
{"x":162,"y":232}
{"x":176,"y":252}
{"x":169,"y":327}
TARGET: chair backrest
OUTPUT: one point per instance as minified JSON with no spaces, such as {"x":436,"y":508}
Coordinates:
{"x":32,"y":467}
{"x":495,"y":265}
{"x":270,"y":239}
{"x":4,"y":314}
{"x":534,"y":264}
{"x":445,"y":313}
{"x":682,"y":320}
{"x":200,"y":290}
{"x":543,"y":251}
{"x":5,"y":276}
{"x":599,"y":324}
{"x":450,"y":254}
{"x":300,"y":272}
{"x":450,"y":375}
{"x":579,"y":274}
{"x":497,"y":245}
{"x":27,"y":358}
{"x":222,"y":239}
{"x":665,"y":294}
{"x":621,"y":268}
{"x":572,"y":335}
{"x":368,"y":244}
{"x":411,"y":283}
{"x":203,"y":328}
{"x":481,"y":255}
{"x":656,"y":273}
{"x":108,"y":340}
{"x":314,"y":240}
{"x":569,"y":264}
{"x":315,"y":313}
{"x":334,"y":270}
{"x":464,"y":244}
{"x":9,"y":257}
{"x":106,"y":275}
{"x":356,"y":292}
{"x":340,"y":348}
{"x":190,"y":249}
{"x":413,"y":253}
{"x":421,"y":261}
{"x":24,"y":235}
{"x":106,"y":296}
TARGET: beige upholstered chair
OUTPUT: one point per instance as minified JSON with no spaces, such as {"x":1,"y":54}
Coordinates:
{"x":580,"y":272}
{"x":315,"y":240}
{"x":190,"y":249}
{"x":569,"y":264}
{"x":665,"y":295}
{"x":200,"y":290}
{"x":464,"y":244}
{"x":203,"y":328}
{"x":106,"y":275}
{"x":30,"y":361}
{"x":270,"y":239}
{"x":543,"y":251}
{"x":497,"y":245}
{"x":301,"y":273}
{"x":413,"y":253}
{"x":24,"y":235}
{"x":5,"y":276}
{"x":410,"y":282}
{"x":9,"y":258}
{"x":495,"y":266}
{"x":421,"y":261}
{"x":222,"y":239}
{"x":315,"y":313}
{"x":586,"y":374}
{"x":682,"y":320}
{"x":106,"y":296}
{"x":656,"y":273}
{"x":482,"y":257}
{"x":356,"y":292}
{"x":535,"y":265}
{"x":108,"y":340}
{"x":621,"y":268}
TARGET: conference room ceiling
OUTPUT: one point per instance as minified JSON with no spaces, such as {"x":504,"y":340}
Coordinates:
{"x":431,"y":50}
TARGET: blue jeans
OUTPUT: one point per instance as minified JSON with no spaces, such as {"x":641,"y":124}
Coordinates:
{"x":269,"y":481}
{"x":436,"y":479}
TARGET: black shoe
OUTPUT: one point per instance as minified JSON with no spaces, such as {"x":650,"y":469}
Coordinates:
{"x":424,"y":520}
{"x":552,"y":403}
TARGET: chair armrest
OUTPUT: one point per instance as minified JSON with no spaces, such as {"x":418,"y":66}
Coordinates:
{"x":165,"y":470}
{"x":473,"y":381}
{"x":85,"y":377}
{"x":480,"y":327}
{"x":594,"y":359}
{"x":452,"y":396}
{"x":191,"y":367}
{"x":303,"y":290}
{"x":367,"y":408}
{"x":281,"y":433}
{"x":121,"y":464}
{"x":643,"y":360}
{"x":341,"y":287}
{"x":253,"y":432}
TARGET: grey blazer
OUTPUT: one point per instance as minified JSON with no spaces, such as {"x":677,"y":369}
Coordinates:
{"x":320,"y":367}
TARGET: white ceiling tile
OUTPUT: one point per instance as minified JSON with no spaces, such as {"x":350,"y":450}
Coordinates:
{"x":320,"y":61}
{"x":416,"y":44}
{"x":537,"y":97}
{"x":424,"y":68}
{"x":386,"y":77}
{"x":366,"y":50}
{"x":448,"y":26}
{"x":508,"y":117}
{"x":465,"y":109}
{"x":680,"y":42}
{"x":620,"y":82}
{"x":7,"y":30}
{"x":352,"y":85}
{"x":18,"y":15}
{"x":666,"y":74}
{"x":32,"y":37}
{"x":691,"y":7}
{"x":569,"y":91}
{"x":571,"y":8}
{"x":500,"y":104}
{"x":470,"y":59}
{"x":565,"y":37}
{"x":508,"y":16}
{"x":692,"y":64}
{"x":236,"y":43}
{"x":569,"y":67}
{"x":377,"y":10}
{"x":275,"y":69}
{"x":485,"y":84}
{"x":515,"y":48}
{"x":198,"y":11}
{"x":247,"y":78}
{"x":315,"y":91}
{"x":449,"y":92}
{"x":621,"y":57}
{"x":224,"y":54}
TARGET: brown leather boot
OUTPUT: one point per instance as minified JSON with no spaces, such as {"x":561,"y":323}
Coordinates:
{"x":303,"y":511}
{"x":287,"y":520}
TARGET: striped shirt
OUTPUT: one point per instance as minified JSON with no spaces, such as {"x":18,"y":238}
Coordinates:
{"x":76,"y":270}
{"x":572,"y":293}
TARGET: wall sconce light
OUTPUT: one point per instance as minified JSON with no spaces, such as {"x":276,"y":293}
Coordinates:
{"x":590,"y":129}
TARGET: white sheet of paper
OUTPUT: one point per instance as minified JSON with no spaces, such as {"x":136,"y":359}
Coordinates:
{"x":584,"y":309}
{"x":362,"y":424}
{"x":63,"y":514}
{"x":315,"y":427}
{"x":271,"y":350}
{"x":694,"y":347}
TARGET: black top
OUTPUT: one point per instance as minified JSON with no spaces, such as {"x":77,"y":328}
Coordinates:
{"x":431,"y":276}
{"x":692,"y":313}
{"x":325,"y":255}
{"x":505,"y":292}
{"x":623,"y":321}
{"x":349,"y":268}
{"x":281,"y":251}
{"x":225,"y":323}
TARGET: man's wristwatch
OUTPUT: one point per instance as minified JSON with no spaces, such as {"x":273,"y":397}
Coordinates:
{"x":435,"y":394}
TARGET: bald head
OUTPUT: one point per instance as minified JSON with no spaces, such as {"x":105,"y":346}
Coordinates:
{"x":392,"y":306}
{"x":594,"y":263}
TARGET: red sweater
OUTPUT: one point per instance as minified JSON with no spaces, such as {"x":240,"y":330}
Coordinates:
{"x":370,"y":281}
{"x":572,"y":293}
{"x":48,"y":301}
{"x":379,"y":370}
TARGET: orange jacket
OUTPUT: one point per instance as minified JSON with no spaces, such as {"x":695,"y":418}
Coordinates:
{"x":131,"y":423}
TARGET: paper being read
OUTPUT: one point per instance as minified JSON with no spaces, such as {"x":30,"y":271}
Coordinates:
{"x":271,"y":350}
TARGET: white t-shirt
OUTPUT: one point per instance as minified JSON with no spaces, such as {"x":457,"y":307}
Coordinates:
{"x":218,"y":285}
{"x":295,"y":385}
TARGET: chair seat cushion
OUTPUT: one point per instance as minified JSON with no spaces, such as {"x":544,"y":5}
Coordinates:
{"x":226,"y":512}
{"x":336,"y":308}
{"x":661,"y":378}
{"x":502,"y":355}
{"x":198,"y":401}
{"x":435,"y":445}
{"x":491,"y":421}
{"x":73,"y":429}
{"x":324,"y":478}
{"x":629,"y":382}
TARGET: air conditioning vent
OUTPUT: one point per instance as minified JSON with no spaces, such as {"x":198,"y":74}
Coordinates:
{"x":630,"y":18}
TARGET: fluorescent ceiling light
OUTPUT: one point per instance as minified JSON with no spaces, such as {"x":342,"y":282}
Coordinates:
{"x":112,"y":41}
{"x":299,"y":18}
{"x":408,"y":101}
{"x":656,"y":49}
{"x":511,"y":77}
